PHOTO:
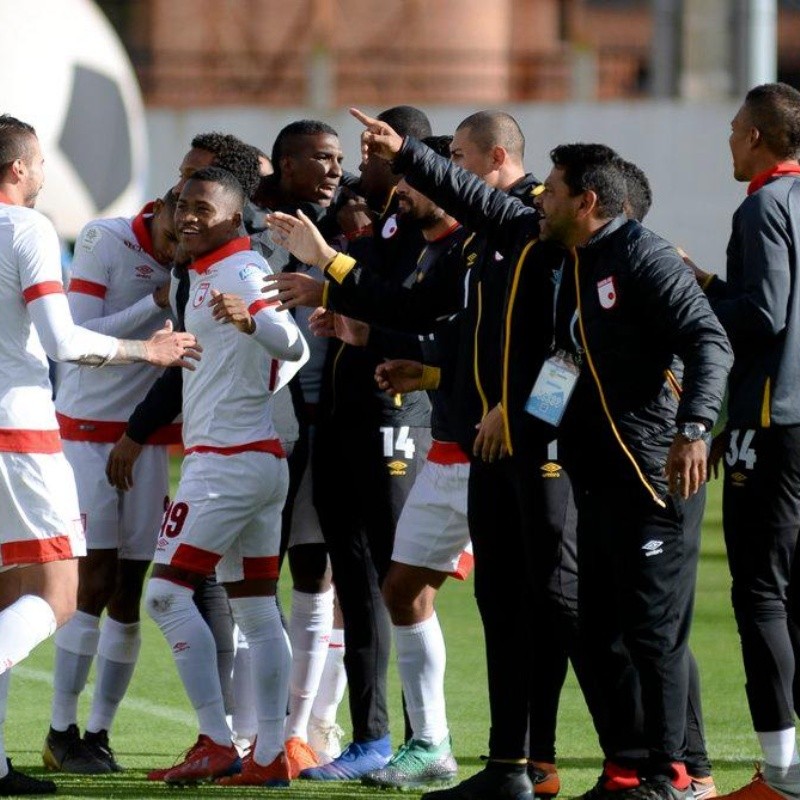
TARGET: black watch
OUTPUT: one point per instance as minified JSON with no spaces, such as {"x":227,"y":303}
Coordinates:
{"x":692,"y":431}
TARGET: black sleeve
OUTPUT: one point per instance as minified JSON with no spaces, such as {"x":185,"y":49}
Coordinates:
{"x":393,"y":344}
{"x":464,"y":195}
{"x":160,"y":406}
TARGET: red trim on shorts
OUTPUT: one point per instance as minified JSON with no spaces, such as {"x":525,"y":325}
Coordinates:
{"x":141,"y":232}
{"x":19,"y":440}
{"x":195,"y":559}
{"x":38,"y":290}
{"x":466,"y":562}
{"x":105,"y":432}
{"x":272,"y":446}
{"x":260,"y":567}
{"x":238,"y":245}
{"x":447,"y":453}
{"x":257,"y":305}
{"x":36,"y":551}
{"x":87,"y":287}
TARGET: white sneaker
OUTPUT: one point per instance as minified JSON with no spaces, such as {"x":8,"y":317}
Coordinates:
{"x":325,"y":738}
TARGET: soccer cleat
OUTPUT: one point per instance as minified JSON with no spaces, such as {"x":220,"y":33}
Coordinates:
{"x":704,"y":788}
{"x":299,"y":755}
{"x":656,"y":790}
{"x":757,"y":789}
{"x":416,"y":765}
{"x":15,"y":783}
{"x":494,"y":782}
{"x":275,"y":774}
{"x":98,"y":746}
{"x":65,"y":751}
{"x":356,"y":760}
{"x":325,"y":739}
{"x":204,"y":761}
{"x":544,"y":777}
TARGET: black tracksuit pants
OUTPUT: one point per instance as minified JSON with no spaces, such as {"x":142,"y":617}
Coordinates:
{"x":761,"y":519}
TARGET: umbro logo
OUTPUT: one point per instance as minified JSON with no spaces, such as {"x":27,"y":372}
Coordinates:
{"x":652,"y":548}
{"x":180,"y":647}
{"x":551,"y":470}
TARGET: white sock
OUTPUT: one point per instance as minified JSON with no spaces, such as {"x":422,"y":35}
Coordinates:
{"x":779,"y":747}
{"x":421,"y":659}
{"x":333,"y":681}
{"x":4,"y":681}
{"x":27,"y":622}
{"x":117,"y":652}
{"x":172,"y":608}
{"x":76,"y":645}
{"x":310,"y":633}
{"x":271,"y":663}
{"x":245,"y":720}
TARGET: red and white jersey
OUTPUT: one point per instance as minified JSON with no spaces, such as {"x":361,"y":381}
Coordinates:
{"x":35,"y":319}
{"x":113,"y":277}
{"x":227,"y":400}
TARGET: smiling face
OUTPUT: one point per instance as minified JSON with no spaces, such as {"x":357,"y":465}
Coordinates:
{"x":195,"y":159}
{"x":413,"y":205}
{"x":313,"y":170}
{"x":207,"y":216}
{"x":559,"y":209}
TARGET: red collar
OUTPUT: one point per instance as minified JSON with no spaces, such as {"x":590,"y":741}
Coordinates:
{"x":142,"y":232}
{"x":452,"y":229}
{"x":203,"y":263}
{"x":784,"y":168}
{"x":4,"y":198}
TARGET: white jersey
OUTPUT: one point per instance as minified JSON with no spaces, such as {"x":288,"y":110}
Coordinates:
{"x":113,"y":277}
{"x":227,"y":400}
{"x":35,"y":321}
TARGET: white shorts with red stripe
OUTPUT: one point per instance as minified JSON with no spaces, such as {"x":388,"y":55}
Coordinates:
{"x":124,"y":521}
{"x":39,"y":516}
{"x":432,"y":530}
{"x":226,"y":516}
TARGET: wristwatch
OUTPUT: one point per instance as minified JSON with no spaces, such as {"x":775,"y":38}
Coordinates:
{"x":692,"y":431}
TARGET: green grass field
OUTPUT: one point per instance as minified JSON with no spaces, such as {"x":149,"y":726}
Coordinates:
{"x":156,"y":722}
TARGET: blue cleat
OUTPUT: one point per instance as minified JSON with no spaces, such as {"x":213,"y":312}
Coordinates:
{"x":356,"y":760}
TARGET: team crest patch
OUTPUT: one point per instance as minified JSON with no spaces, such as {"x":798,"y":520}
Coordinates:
{"x":246,"y":272}
{"x":389,"y":227}
{"x":201,"y":293}
{"x":607,"y":292}
{"x":90,"y":239}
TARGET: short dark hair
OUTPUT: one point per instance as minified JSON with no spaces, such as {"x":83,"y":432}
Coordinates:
{"x":286,"y":141}
{"x":637,"y":186}
{"x":15,"y":139}
{"x":407,"y":121}
{"x":489,"y":129}
{"x":592,"y":167}
{"x":170,"y":199}
{"x":439,"y":144}
{"x":232,"y":154}
{"x":224,"y":178}
{"x":775,"y":110}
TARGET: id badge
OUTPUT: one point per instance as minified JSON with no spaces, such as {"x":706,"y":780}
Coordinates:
{"x":553,"y":388}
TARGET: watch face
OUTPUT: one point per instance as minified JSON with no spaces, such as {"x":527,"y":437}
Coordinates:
{"x":692,"y":431}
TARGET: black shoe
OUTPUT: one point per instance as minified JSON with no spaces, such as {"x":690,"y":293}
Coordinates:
{"x":660,"y":790}
{"x":16,"y":783}
{"x":98,"y":746}
{"x":599,"y":791}
{"x":65,"y":751}
{"x":494,"y":782}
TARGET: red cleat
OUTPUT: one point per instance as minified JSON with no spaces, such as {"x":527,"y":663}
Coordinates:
{"x":299,"y":755}
{"x":274,"y":774}
{"x":204,"y":761}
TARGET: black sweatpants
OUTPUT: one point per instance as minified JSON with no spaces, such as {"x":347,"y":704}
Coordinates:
{"x":359,"y":492}
{"x":761,"y":520}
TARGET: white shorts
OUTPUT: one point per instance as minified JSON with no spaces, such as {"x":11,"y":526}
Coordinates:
{"x":432,"y":530}
{"x":39,"y":516}
{"x":305,"y":522}
{"x":226,"y":516}
{"x":124,"y":521}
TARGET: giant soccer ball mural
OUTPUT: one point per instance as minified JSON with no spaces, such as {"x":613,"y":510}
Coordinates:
{"x":66,"y":73}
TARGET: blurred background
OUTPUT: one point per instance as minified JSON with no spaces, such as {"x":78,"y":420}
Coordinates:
{"x":120,"y":86}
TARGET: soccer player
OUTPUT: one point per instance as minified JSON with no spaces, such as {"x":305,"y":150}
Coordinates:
{"x":42,"y":533}
{"x":119,"y":286}
{"x":226,"y":514}
{"x":759,"y":305}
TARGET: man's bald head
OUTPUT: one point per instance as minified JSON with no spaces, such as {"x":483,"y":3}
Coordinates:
{"x":489,"y":129}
